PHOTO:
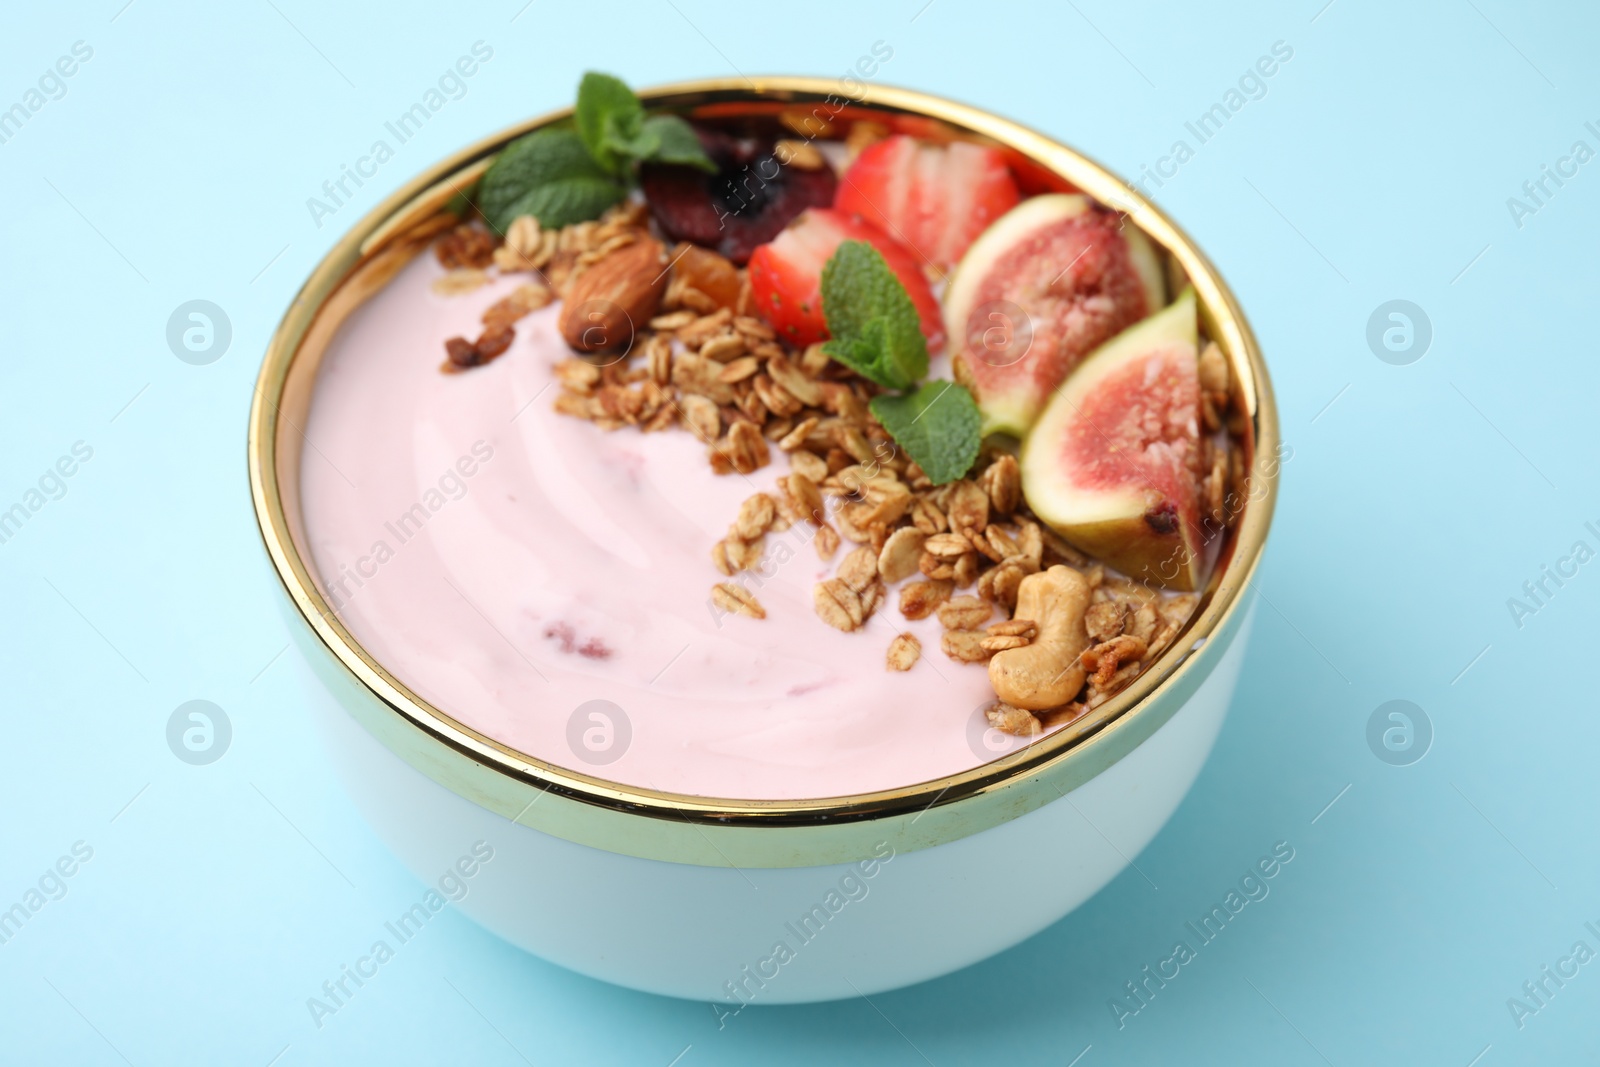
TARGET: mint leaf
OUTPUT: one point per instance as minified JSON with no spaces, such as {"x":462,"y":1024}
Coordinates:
{"x":561,"y":203}
{"x":938,"y":426}
{"x":610,"y":120}
{"x":876,"y":329}
{"x":548,"y":174}
{"x":675,"y":142}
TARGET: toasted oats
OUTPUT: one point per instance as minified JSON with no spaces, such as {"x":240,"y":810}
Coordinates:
{"x":719,"y":558}
{"x":1213,"y":369}
{"x":1012,"y":720}
{"x":927,"y":517}
{"x":813,"y":361}
{"x":965,"y":571}
{"x":801,"y":155}
{"x":524,"y":234}
{"x":461,"y":280}
{"x":795,"y":437}
{"x":947,"y":546}
{"x":739,"y":369}
{"x":1114,"y":684}
{"x":1212,"y":493}
{"x":753,"y":328}
{"x":859,"y":569}
{"x":665,"y":416}
{"x":695,"y":300}
{"x":1007,"y":580}
{"x":743,"y":554}
{"x":575,"y":404}
{"x":986,"y":545}
{"x":873,"y":595}
{"x":1144,"y":622}
{"x":1095,"y":575}
{"x":1001,"y":545}
{"x":701,"y":416}
{"x":1013,"y":628}
{"x":1107,"y":656}
{"x":1105,"y":620}
{"x":749,"y":402}
{"x":778,"y":400}
{"x":1003,"y":482}
{"x":723,"y":348}
{"x":1177,"y":609}
{"x":807,"y":497}
{"x":808,"y":464}
{"x":520,"y":302}
{"x":934,"y":567}
{"x":675,"y":321}
{"x":692,"y":374}
{"x":967,"y":506}
{"x":803,"y":388}
{"x":744,"y":448}
{"x":854,"y":442}
{"x":861,"y":534}
{"x":577,"y":375}
{"x":1003,"y":643}
{"x":705,"y":328}
{"x":898,"y":559}
{"x":837,"y":605}
{"x":965,"y":613}
{"x":1030,"y":544}
{"x":755,"y":516}
{"x":736,"y":598}
{"x":904,"y":651}
{"x":658,"y":358}
{"x":965,"y":646}
{"x":920,"y":599}
{"x":524,"y":242}
{"x":827,"y":542}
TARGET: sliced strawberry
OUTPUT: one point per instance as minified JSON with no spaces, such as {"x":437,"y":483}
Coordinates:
{"x":786,"y":275}
{"x":936,"y":199}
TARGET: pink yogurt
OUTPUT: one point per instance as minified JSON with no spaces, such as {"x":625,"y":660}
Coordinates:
{"x":512,"y":565}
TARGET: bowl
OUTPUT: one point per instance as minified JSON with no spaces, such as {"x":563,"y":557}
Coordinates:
{"x":730,"y":900}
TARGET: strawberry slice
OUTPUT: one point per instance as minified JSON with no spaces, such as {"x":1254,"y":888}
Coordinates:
{"x":936,"y":199}
{"x":786,"y":275}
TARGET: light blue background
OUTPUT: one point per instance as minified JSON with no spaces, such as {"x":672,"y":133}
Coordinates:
{"x":1418,"y":500}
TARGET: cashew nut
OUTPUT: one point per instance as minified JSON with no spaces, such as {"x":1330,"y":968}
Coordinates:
{"x":1046,"y":673}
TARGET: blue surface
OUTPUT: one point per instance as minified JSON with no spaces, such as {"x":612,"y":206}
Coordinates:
{"x":1377,"y":165}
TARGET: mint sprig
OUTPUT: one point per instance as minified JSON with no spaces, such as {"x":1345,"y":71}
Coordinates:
{"x":878,"y":334}
{"x":550,"y":175}
{"x":938,"y":426}
{"x":561,"y":175}
{"x":876,"y":329}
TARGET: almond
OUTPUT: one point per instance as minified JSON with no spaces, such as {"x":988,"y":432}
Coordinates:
{"x":614,"y":297}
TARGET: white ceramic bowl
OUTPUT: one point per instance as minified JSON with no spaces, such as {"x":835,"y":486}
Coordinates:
{"x":737,"y":901}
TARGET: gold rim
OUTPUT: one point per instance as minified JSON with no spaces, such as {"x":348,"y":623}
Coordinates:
{"x":716,"y":831}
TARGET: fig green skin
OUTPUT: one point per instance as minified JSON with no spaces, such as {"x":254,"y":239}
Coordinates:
{"x":1147,"y":532}
{"x":1010,"y":394}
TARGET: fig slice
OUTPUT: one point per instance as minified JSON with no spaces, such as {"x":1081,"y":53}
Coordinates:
{"x":1040,"y":289}
{"x":1113,"y":462}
